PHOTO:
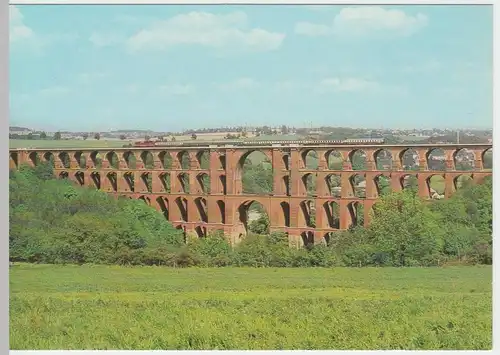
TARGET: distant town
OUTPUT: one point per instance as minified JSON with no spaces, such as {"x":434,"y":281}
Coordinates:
{"x":391,"y":136}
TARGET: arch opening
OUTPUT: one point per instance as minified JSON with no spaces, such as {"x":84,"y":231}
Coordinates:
{"x":334,"y":183}
{"x":285,"y":210}
{"x":113,"y":160}
{"x":308,"y":215}
{"x":222,"y":180}
{"x":14,"y":158}
{"x":436,"y":159}
{"x":145,"y":199}
{"x":201,"y":232}
{"x":254,"y":217}
{"x":332,"y":210}
{"x":113,"y":180}
{"x":63,"y":175}
{"x":309,"y":182}
{"x":204,"y":182}
{"x":357,"y":158}
{"x":184,"y":160}
{"x":310,"y":159}
{"x":96,"y":159}
{"x":80,"y":159}
{"x":130,"y":159}
{"x":95,"y":177}
{"x":335,"y":160}
{"x":201,"y":205}
{"x":435,"y":186}
{"x":409,"y":159}
{"x":383,"y":185}
{"x":165,"y":159}
{"x":80,"y":178}
{"x":181,"y":203}
{"x":358,"y":185}
{"x":222,"y":211}
{"x":286,"y":161}
{"x":487,"y":159}
{"x":130,"y":180}
{"x":462,"y":181}
{"x":49,"y":159}
{"x":307,"y":239}
{"x":203,"y":158}
{"x":183,"y":180}
{"x":383,"y":160}
{"x":409,"y":181}
{"x":163,"y":204}
{"x":255,"y":172}
{"x":356,"y":212}
{"x":147,"y":159}
{"x":464,"y":159}
{"x":165,"y":181}
{"x":147,"y":180}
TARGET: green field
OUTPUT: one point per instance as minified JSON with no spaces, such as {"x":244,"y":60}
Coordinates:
{"x":99,"y":307}
{"x":71,"y":143}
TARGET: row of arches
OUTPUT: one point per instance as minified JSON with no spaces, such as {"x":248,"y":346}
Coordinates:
{"x":407,"y":159}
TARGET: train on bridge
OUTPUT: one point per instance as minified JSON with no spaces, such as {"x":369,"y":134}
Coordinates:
{"x":239,"y":143}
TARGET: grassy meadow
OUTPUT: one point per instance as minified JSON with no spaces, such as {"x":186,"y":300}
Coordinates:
{"x":111,"y":307}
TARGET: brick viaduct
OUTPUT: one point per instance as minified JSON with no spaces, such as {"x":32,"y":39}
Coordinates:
{"x":178,"y":191}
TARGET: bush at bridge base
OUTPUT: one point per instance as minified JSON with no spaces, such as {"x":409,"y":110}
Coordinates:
{"x":53,"y":221}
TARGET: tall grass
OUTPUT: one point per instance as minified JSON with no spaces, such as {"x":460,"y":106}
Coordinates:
{"x":110,"y":307}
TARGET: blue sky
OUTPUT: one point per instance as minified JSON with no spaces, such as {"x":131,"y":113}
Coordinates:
{"x":167,"y":67}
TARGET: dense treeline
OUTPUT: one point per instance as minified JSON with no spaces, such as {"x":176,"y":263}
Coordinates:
{"x":53,"y":221}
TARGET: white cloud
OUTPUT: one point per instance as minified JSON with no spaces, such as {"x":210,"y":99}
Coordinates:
{"x":205,"y":29}
{"x":347,"y":85}
{"x":104,"y":40}
{"x":18,"y":31}
{"x":176,"y":89}
{"x":55,"y":91}
{"x":364,"y":21}
{"x":241,"y":83}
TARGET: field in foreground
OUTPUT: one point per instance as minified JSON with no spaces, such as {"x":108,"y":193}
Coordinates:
{"x":100,"y":307}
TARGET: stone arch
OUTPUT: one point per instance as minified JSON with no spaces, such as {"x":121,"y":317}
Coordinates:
{"x":309,"y":184}
{"x":436,"y":159}
{"x":308,"y":216}
{"x":130,"y":180}
{"x":358,"y":185}
{"x":96,"y":158}
{"x":80,"y":178}
{"x":165,"y":159}
{"x":356,"y":212}
{"x":307,"y":238}
{"x":285,"y":157}
{"x":146,"y":200}
{"x":409,"y":159}
{"x":48,"y":157}
{"x":332,"y":212}
{"x":382,"y":184}
{"x":204,"y":182}
{"x":182,"y":205}
{"x":63,"y":175}
{"x":162,"y":203}
{"x":113,"y":180}
{"x":65,"y":160}
{"x":487,"y":159}
{"x":253,"y":216}
{"x":334,"y":183}
{"x":203,"y":157}
{"x":310,"y":159}
{"x":34,"y":158}
{"x":383,"y":159}
{"x":222,"y":211}
{"x":80,"y":159}
{"x":113,"y":160}
{"x":14,"y":160}
{"x":183,"y":180}
{"x":184,"y":160}
{"x":435,"y":186}
{"x":147,"y":180}
{"x":254,"y":173}
{"x":201,"y":205}
{"x":95,"y":177}
{"x":147,"y":159}
{"x":463,"y":159}
{"x":165,"y":181}
{"x":130,"y":159}
{"x":357,"y":158}
{"x":462,"y":180}
{"x":335,"y":160}
{"x":201,"y":232}
{"x":285,"y":210}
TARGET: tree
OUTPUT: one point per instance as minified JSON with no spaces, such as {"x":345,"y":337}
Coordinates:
{"x":85,"y":136}
{"x":147,"y":138}
{"x":194,"y":136}
{"x":29,"y":136}
{"x":97,"y":136}
{"x":122,"y":137}
{"x":57,"y":136}
{"x":284,"y":129}
{"x":43,"y":135}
